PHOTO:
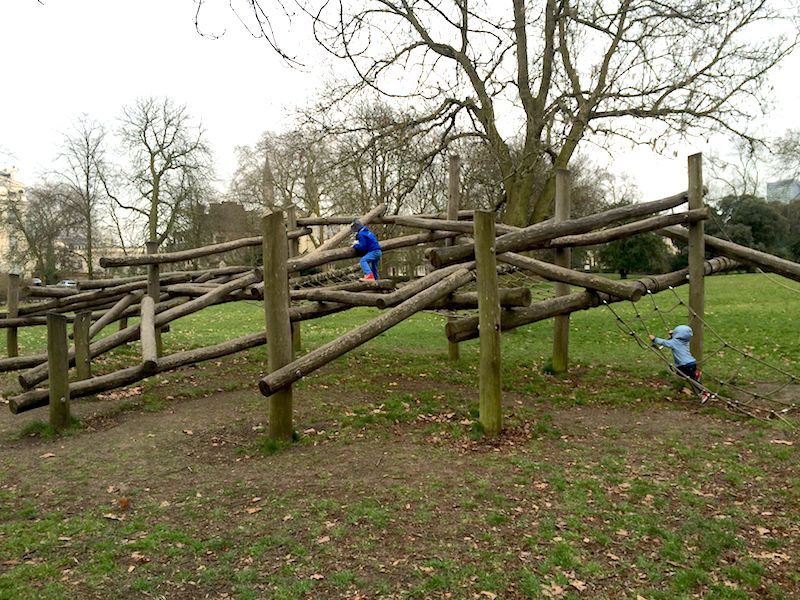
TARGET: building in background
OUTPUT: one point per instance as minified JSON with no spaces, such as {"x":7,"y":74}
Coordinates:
{"x":785,"y":191}
{"x":12,"y":244}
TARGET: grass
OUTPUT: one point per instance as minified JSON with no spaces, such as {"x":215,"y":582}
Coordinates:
{"x":607,"y":483}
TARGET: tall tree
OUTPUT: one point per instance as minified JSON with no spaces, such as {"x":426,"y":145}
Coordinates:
{"x":47,"y":221}
{"x":546,"y":76}
{"x":169,"y":162}
{"x":83,"y":155}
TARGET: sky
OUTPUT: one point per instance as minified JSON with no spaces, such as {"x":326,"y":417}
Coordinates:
{"x":62,"y":58}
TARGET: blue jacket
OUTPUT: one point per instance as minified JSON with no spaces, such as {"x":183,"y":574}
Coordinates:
{"x":366,"y":241}
{"x":679,"y":344}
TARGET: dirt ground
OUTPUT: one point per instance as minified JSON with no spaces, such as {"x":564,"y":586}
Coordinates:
{"x":155,"y":464}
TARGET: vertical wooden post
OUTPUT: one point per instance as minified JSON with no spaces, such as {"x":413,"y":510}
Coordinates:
{"x":276,"y":312}
{"x":80,"y":334}
{"x":154,"y":291}
{"x":58,"y":370}
{"x":294,"y":250}
{"x":453,"y":203}
{"x":563,"y":257}
{"x":697,"y":252}
{"x":491,"y":416}
{"x":12,"y":303}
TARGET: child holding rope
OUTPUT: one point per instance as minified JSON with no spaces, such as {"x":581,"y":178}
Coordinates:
{"x":368,"y":248}
{"x":685,"y":363}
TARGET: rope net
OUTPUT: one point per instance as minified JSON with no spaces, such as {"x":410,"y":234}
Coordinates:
{"x":732,"y":376}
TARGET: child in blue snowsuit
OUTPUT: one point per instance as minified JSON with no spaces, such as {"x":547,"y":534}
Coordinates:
{"x":685,"y":363}
{"x":368,"y":247}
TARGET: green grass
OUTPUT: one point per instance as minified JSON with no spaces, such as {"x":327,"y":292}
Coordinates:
{"x":390,"y":490}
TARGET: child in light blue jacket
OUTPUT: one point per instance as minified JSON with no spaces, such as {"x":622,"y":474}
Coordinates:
{"x":685,"y":363}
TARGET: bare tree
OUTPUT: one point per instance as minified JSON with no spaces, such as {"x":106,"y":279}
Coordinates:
{"x":47,"y":221}
{"x":534,"y":80}
{"x":169,"y":162}
{"x":83,"y":154}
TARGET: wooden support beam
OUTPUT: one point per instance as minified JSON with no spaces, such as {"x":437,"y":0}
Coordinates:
{"x":148,"y":333}
{"x":453,"y":203}
{"x":491,"y":396}
{"x":12,"y":303}
{"x":279,"y":328}
{"x":58,"y":371}
{"x":697,"y":254}
{"x":80,"y":331}
{"x":561,"y":261}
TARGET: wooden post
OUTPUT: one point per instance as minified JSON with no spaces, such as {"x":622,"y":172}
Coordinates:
{"x":58,"y":370}
{"x":154,"y":290}
{"x":276,"y":311}
{"x":147,"y":332}
{"x":562,"y":258}
{"x":453,"y":202}
{"x":12,"y":303}
{"x":491,"y":416}
{"x":697,"y":253}
{"x":294,"y":250}
{"x":80,"y":333}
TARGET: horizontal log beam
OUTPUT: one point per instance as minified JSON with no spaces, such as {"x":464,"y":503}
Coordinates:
{"x":191,"y":254}
{"x":103,"y":383}
{"x":529,"y":237}
{"x":620,"y":289}
{"x":768,"y":262}
{"x":460,"y":330}
{"x":622,"y":231}
{"x":315,"y":259}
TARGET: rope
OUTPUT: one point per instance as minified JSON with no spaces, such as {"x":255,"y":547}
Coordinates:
{"x":737,"y":405}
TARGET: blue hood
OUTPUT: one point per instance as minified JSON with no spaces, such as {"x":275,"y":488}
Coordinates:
{"x":682,"y":332}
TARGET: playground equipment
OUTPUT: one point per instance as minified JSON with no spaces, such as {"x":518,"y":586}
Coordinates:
{"x":158,"y":298}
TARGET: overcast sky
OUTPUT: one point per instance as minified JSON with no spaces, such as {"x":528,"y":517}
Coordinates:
{"x":67,"y":57}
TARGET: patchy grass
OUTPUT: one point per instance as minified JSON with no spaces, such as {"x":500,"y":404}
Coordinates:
{"x":608,"y":482}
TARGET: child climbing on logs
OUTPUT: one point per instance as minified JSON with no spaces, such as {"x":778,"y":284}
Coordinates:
{"x":368,"y":247}
{"x":685,"y":363}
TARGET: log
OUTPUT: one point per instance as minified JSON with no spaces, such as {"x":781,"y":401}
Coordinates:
{"x":461,"y":330}
{"x":509,"y":298}
{"x":83,"y":363}
{"x":489,"y":379}
{"x":378,"y":285}
{"x":115,"y":312}
{"x":622,"y":231}
{"x":315,"y":278}
{"x":448,"y":225}
{"x":315,"y":259}
{"x":323,"y":355}
{"x":102,"y":383}
{"x":165,"y":278}
{"x":621,"y":289}
{"x":343,"y":297}
{"x":415,"y":287}
{"x":768,"y":262}
{"x":38,"y":373}
{"x":148,"y":333}
{"x":191,"y":254}
{"x":344,"y":233}
{"x":389,"y":219}
{"x":58,"y":394}
{"x":12,"y":302}
{"x":86,"y":299}
{"x":529,"y":237}
{"x":49,"y":291}
{"x":316,"y":310}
